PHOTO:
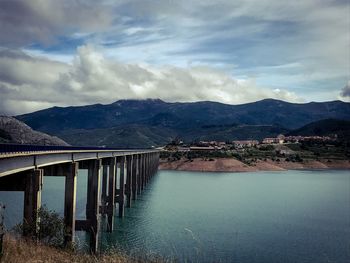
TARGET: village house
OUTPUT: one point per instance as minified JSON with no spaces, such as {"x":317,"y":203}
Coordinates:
{"x":244,"y":144}
{"x":203,"y":143}
{"x":202,"y":148}
{"x":269,"y":140}
{"x":183,"y":149}
{"x":280,"y":139}
{"x":293,"y":139}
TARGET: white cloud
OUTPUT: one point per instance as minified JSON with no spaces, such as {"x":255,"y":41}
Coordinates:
{"x":175,"y":50}
{"x":251,"y":36}
{"x":92,"y":78}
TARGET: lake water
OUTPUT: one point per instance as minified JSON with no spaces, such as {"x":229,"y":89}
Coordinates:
{"x":293,"y":216}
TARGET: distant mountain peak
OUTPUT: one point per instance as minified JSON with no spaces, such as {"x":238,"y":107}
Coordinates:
{"x":148,"y":100}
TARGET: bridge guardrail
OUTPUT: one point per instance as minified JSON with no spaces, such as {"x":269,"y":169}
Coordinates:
{"x":6,"y":148}
{"x":25,"y":148}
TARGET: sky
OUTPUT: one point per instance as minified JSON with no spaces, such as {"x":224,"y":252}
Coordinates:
{"x":75,"y":52}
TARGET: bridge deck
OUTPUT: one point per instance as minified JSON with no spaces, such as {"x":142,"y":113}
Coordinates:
{"x":16,"y":158}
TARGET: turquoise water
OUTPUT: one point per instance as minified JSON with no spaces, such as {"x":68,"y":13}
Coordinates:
{"x":294,"y":216}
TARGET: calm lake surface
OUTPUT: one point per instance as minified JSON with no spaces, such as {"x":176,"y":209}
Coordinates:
{"x":294,"y":216}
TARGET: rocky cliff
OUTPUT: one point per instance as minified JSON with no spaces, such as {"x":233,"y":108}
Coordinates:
{"x":15,"y":131}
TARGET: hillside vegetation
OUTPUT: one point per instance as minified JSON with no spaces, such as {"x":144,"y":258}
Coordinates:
{"x":145,"y":123}
{"x":324,"y":128}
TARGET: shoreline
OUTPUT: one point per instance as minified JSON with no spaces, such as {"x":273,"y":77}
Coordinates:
{"x":233,"y":165}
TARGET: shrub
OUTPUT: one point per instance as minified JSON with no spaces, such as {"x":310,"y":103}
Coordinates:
{"x":51,"y":227}
{"x":267,"y":148}
{"x":237,"y":156}
{"x":298,"y":158}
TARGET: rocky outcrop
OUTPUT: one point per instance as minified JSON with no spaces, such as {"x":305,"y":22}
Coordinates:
{"x":15,"y":131}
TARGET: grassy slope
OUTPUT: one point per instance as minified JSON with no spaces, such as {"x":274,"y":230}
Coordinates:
{"x":18,"y":251}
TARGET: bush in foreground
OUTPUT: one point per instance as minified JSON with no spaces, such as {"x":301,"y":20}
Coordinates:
{"x":51,"y":227}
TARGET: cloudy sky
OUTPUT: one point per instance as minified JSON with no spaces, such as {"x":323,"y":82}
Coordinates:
{"x":75,"y":52}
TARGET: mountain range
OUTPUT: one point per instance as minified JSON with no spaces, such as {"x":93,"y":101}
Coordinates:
{"x":152,"y":122}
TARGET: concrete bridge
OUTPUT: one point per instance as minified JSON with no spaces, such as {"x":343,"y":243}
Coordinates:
{"x":22,"y":168}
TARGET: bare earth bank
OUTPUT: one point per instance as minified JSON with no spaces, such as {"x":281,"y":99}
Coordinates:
{"x":233,"y":165}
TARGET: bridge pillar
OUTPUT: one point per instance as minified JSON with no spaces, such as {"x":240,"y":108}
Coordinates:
{"x":104,"y":184}
{"x":93,"y":203}
{"x":144,"y":171}
{"x":121,"y":197}
{"x":32,"y":202}
{"x":70,"y":203}
{"x":152,"y":164}
{"x":149,"y":167}
{"x":135,"y":176}
{"x":146,"y":167}
{"x":157,"y":163}
{"x":141,"y":174}
{"x":111,"y":194}
{"x":139,"y":177}
{"x":129,"y":171}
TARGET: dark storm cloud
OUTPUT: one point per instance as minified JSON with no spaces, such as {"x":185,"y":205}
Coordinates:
{"x":23,"y":22}
{"x":345,"y":92}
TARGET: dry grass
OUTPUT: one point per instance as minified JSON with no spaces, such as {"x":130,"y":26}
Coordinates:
{"x":19,"y":250}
